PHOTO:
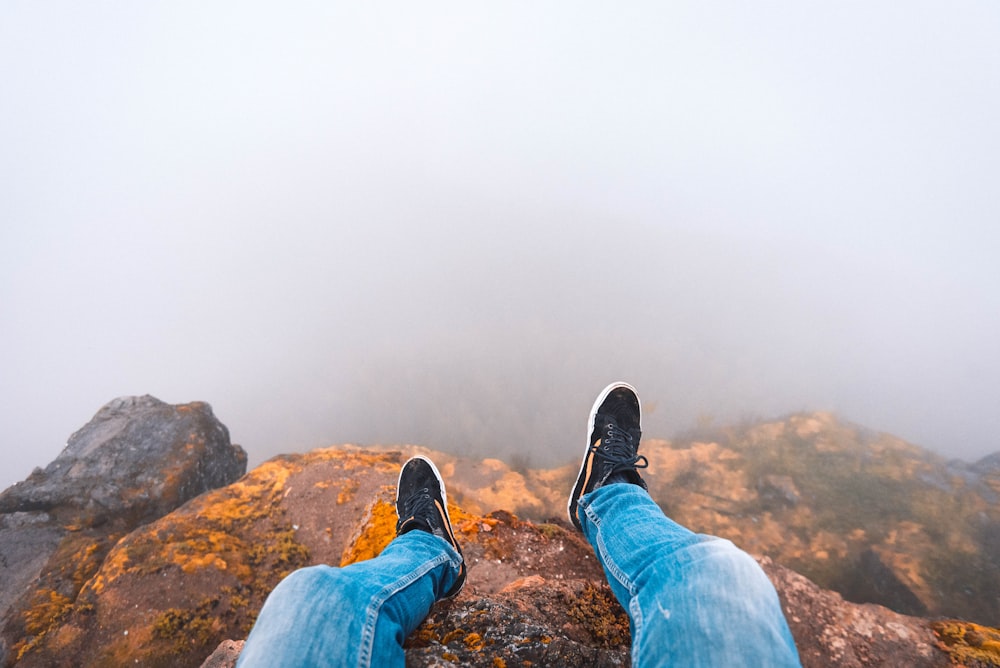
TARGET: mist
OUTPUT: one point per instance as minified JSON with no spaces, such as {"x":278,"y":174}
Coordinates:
{"x":452,"y":225}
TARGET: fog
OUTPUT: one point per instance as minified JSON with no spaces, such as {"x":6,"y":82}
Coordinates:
{"x":452,"y":224}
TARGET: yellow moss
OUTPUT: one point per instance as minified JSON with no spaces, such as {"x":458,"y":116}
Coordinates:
{"x":448,"y":656}
{"x":205,"y":536}
{"x":188,"y":627}
{"x":203,"y":548}
{"x":377,"y":531}
{"x":248,"y":498}
{"x":598,"y":612}
{"x":474,"y":641}
{"x":115,"y":564}
{"x":48,"y":607}
{"x":89,"y":561}
{"x":968,"y":643}
{"x":192,"y":563}
{"x":499,"y":663}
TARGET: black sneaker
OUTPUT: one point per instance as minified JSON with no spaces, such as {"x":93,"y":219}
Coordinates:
{"x":422,"y":503}
{"x":613,"y":434}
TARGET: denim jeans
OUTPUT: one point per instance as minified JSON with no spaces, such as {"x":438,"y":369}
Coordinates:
{"x":358,"y":615}
{"x":693,"y":600}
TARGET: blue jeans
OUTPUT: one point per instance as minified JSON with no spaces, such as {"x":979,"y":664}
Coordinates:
{"x":358,"y":615}
{"x":693,"y":600}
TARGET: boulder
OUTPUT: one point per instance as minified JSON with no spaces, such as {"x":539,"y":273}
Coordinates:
{"x":136,"y":460}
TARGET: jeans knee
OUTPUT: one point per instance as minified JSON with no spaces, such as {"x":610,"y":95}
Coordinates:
{"x":733,"y":564}
{"x":313,"y":580}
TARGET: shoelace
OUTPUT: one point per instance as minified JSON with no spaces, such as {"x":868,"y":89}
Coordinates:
{"x":618,"y":449}
{"x":418,"y":508}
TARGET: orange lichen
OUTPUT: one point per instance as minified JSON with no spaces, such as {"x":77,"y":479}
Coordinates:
{"x":468,"y":524}
{"x":600,"y":614}
{"x":454,"y":634}
{"x":89,"y":560}
{"x":967,"y":643}
{"x":472,"y":525}
{"x":188,"y":627}
{"x":47,"y":608}
{"x":192,"y":563}
{"x":425,"y":634}
{"x":348,"y":491}
{"x":351,"y":457}
{"x":474,"y":641}
{"x":377,"y":531}
{"x":378,"y":528}
{"x":115,"y":564}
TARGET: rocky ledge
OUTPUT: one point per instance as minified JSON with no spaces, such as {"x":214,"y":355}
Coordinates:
{"x":184,"y":589}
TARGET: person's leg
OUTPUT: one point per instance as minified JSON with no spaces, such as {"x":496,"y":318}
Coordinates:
{"x":693,"y":600}
{"x":360,"y":615}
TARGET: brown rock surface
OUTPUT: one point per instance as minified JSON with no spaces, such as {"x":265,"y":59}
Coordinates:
{"x":169,"y":591}
{"x":172,"y":590}
{"x":859,"y":512}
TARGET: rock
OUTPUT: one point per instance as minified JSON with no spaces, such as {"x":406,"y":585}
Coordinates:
{"x":830,"y":631}
{"x":171,"y":591}
{"x":778,"y":488}
{"x":225,"y":655}
{"x":138,"y":456}
{"x":136,"y":460}
{"x":874,"y":580}
{"x":104,"y":582}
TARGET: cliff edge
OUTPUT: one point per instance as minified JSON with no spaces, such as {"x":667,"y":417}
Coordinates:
{"x":184,"y":588}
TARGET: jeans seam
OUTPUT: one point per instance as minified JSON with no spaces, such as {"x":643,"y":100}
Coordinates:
{"x":636,"y":613}
{"x":613,"y":567}
{"x":375,"y":605}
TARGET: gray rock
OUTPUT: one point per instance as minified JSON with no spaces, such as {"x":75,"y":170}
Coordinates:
{"x":137,"y":459}
{"x":225,"y":655}
{"x":161,"y":454}
{"x":26,"y":542}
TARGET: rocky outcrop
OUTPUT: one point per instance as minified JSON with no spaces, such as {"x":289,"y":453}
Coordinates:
{"x":167,"y":591}
{"x":136,"y":460}
{"x":862,"y":513}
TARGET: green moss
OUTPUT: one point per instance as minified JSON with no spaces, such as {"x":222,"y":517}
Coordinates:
{"x":188,"y":628}
{"x":551,"y":531}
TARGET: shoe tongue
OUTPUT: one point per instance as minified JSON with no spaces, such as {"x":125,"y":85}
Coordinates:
{"x":414,"y":523}
{"x":630,"y":477}
{"x":620,"y":476}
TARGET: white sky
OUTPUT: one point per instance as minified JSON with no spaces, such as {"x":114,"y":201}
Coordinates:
{"x":454,"y":223}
